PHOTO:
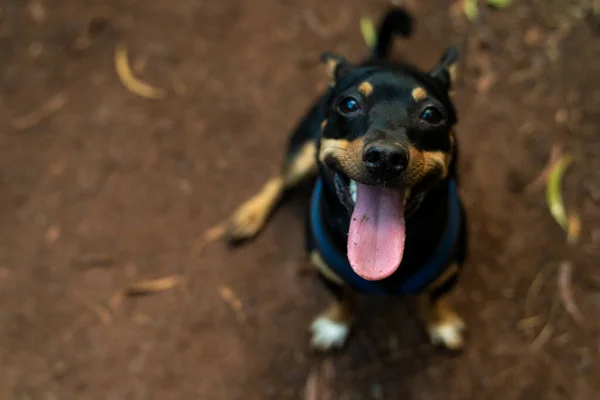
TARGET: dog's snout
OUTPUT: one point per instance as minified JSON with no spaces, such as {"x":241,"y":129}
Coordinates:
{"x":385,"y":158}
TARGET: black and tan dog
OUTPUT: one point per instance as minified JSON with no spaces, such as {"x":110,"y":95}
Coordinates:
{"x":385,"y":215}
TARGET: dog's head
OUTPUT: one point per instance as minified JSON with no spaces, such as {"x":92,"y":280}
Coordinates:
{"x":388,"y":138}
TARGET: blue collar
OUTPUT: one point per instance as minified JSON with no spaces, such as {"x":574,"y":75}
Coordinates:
{"x":337,"y":261}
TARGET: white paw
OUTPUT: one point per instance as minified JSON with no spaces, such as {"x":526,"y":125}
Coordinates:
{"x":448,"y":333}
{"x":328,"y":334}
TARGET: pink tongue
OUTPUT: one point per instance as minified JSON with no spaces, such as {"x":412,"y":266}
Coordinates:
{"x":377,"y":232}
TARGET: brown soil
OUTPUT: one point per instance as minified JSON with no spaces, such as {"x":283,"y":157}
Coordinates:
{"x":111,"y":189}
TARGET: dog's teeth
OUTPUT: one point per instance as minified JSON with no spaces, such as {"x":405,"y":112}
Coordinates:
{"x":406,"y":195}
{"x":352,"y":190}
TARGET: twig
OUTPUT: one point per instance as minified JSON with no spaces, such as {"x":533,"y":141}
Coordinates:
{"x":153,"y":286}
{"x":103,"y":314}
{"x":230,"y":298}
{"x":565,"y":273}
{"x":555,"y":154}
{"x":311,"y":388}
{"x":216,"y":232}
{"x":49,"y":108}
{"x":328,"y":377}
{"x":534,"y":290}
{"x":542,"y":338}
{"x":318,"y":383}
{"x":500,"y":378}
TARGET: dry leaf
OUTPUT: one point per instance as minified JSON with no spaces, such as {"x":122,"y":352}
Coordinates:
{"x":153,"y":286}
{"x":553,"y":191}
{"x":132,"y":83}
{"x":471,"y":10}
{"x":499,"y":3}
{"x":367,"y":29}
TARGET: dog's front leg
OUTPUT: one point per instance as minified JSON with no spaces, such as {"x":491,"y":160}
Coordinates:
{"x":331,"y":328}
{"x":444,"y":326}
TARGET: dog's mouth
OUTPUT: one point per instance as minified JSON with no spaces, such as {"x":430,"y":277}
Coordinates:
{"x":377,"y":225}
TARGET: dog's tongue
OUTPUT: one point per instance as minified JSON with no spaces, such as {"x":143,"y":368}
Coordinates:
{"x":377,"y":232}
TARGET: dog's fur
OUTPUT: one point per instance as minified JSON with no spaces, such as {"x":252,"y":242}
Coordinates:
{"x":330,"y":144}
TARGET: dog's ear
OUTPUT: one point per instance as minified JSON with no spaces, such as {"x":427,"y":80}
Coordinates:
{"x":336,"y":66}
{"x":445,"y":71}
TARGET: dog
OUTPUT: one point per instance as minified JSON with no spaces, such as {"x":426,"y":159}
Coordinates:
{"x":385,"y":217}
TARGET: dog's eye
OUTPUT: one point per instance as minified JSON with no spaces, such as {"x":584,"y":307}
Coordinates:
{"x":431,"y":115}
{"x":348,"y":105}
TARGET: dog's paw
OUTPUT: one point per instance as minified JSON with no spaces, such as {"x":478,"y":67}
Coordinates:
{"x":448,"y":333}
{"x":328,"y":334}
{"x":246,"y":222}
{"x":251,"y":216}
{"x":242,"y":226}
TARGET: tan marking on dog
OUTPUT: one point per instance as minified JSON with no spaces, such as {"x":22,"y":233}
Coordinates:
{"x":423,"y":163}
{"x":444,"y":326}
{"x":251,"y":216}
{"x":453,"y":72}
{"x":365,"y":88}
{"x":450,"y":155}
{"x":341,"y":311}
{"x":330,"y":67}
{"x":331,"y":328}
{"x":448,"y":273}
{"x":406,"y":195}
{"x":418,"y":94}
{"x":323,"y":125}
{"x":437,"y":158}
{"x":333,"y":148}
{"x":348,"y":155}
{"x":302,"y":165}
{"x":319,"y":263}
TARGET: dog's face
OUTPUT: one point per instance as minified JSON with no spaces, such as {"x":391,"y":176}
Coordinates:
{"x":388,"y":128}
{"x":388,"y":138}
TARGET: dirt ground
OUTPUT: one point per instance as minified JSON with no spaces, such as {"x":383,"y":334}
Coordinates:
{"x":101,"y":188}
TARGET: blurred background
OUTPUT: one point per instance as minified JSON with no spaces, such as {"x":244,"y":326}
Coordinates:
{"x":131,"y":127}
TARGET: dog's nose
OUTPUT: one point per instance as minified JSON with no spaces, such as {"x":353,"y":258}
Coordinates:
{"x":385,"y":158}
